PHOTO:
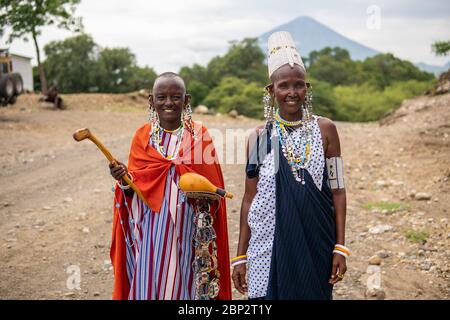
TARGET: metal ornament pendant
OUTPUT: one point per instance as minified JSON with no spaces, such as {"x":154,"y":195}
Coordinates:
{"x":205,"y":263}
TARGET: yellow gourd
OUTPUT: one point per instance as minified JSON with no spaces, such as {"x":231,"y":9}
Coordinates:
{"x":193,"y":182}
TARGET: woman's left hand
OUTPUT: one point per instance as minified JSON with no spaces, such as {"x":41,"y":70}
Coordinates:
{"x":339,"y":268}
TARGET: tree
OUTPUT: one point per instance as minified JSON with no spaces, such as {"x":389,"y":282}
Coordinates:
{"x":72,"y":64}
{"x":116,"y":66}
{"x":238,"y":94}
{"x":384,"y":69}
{"x":27,"y":17}
{"x":244,"y":60}
{"x":78,"y":64}
{"x":441,"y":48}
{"x":197,"y":81}
{"x":332,"y":65}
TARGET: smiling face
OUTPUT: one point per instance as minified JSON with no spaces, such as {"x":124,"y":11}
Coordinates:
{"x":169,"y":98}
{"x":289,"y":89}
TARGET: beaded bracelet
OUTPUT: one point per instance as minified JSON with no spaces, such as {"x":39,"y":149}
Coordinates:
{"x":238,"y":260}
{"x":341,"y":253}
{"x":236,"y":263}
{"x":342,"y":250}
{"x":239,"y":257}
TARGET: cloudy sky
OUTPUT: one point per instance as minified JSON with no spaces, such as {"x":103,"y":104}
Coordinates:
{"x":168,"y":34}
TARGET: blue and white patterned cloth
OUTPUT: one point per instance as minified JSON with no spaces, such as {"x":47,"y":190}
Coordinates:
{"x":261,"y":216}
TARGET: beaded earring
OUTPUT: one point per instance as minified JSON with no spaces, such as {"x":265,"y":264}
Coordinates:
{"x":188,"y":122}
{"x":307,"y":105}
{"x":269,"y":106}
{"x":152,"y":115}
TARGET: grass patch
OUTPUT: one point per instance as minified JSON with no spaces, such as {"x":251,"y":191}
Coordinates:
{"x":416,"y":236}
{"x":383,"y":205}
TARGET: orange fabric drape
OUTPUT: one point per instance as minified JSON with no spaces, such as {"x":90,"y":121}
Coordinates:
{"x":149,"y":170}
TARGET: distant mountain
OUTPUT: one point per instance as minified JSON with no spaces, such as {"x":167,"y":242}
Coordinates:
{"x":437,"y":70}
{"x":309,"y":35}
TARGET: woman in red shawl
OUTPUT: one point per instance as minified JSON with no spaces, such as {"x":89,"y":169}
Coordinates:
{"x":152,"y":245}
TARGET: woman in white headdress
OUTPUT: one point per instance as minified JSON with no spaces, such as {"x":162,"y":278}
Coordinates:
{"x":292,"y":232}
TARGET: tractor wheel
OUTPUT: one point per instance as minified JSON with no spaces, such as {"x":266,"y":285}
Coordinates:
{"x":6,"y":87}
{"x":18,"y":83}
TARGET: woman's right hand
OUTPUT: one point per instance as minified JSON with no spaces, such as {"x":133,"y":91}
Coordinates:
{"x":239,"y":278}
{"x":118,"y":171}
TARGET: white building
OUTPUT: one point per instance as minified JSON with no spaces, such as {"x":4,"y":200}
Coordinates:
{"x":22,"y":65}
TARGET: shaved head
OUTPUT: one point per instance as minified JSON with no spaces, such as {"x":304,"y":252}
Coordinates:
{"x":169,"y":76}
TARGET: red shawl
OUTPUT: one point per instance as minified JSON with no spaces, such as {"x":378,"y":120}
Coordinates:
{"x":150,"y":170}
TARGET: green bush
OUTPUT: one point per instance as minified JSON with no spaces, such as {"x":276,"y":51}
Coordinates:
{"x":234,"y":93}
{"x":367,"y":103}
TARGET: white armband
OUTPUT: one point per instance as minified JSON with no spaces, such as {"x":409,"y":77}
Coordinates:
{"x":335,"y":169}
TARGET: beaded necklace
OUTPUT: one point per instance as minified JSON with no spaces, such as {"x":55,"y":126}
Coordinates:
{"x":298,"y":158}
{"x":286,"y":122}
{"x":156,"y":138}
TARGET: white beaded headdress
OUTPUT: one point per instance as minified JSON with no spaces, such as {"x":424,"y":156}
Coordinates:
{"x":282,"y":50}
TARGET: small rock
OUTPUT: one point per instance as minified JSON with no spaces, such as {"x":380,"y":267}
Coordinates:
{"x":426,"y":265}
{"x":17,"y":226}
{"x":107,"y":265}
{"x":418,"y":293}
{"x":375,"y":260}
{"x":382,"y":254}
{"x":97,"y":190}
{"x":46,"y":208}
{"x":375,"y":294}
{"x":143,"y":93}
{"x":422,"y":196}
{"x":85,"y":230}
{"x":96,"y":294}
{"x":382,"y":183}
{"x":82,"y":215}
{"x":68,"y":199}
{"x":201,"y":109}
{"x":380,"y":229}
{"x":39,"y":223}
{"x":69,"y":294}
{"x":233,"y":114}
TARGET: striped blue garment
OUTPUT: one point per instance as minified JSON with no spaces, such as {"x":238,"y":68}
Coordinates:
{"x":160,"y":250}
